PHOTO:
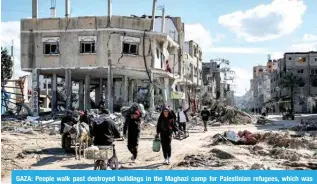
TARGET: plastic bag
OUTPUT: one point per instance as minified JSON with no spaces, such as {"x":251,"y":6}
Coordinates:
{"x":156,"y":145}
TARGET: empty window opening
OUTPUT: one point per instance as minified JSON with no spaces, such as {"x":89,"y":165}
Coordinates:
{"x":51,"y":48}
{"x":130,"y":48}
{"x":87,"y":47}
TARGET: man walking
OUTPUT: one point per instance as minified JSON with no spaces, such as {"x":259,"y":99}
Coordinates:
{"x":205,"y":116}
{"x":132,"y":125}
{"x":182,"y":118}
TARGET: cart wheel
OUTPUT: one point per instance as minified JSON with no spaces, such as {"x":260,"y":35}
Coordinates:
{"x":99,"y":165}
{"x":113,"y":163}
{"x":67,"y":144}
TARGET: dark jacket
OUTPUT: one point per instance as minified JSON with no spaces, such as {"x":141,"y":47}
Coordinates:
{"x":132,"y":126}
{"x":105,"y":132}
{"x":185,"y":112}
{"x":205,"y":115}
{"x":166,"y":124}
{"x":173,"y":115}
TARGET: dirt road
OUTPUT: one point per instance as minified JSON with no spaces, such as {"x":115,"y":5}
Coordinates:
{"x":38,"y":151}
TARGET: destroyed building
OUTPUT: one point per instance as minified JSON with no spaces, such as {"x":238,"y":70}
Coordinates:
{"x":142,"y":57}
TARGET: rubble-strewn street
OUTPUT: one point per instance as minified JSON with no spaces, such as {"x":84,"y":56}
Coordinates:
{"x":276,"y":149}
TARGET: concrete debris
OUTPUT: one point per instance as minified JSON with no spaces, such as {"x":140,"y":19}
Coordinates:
{"x":309,"y":165}
{"x":257,"y":166}
{"x":221,"y":154}
{"x":24,"y":130}
{"x":20,"y":156}
{"x":261,"y":120}
{"x":283,"y":140}
{"x":228,"y":114}
{"x":237,"y":167}
{"x":310,"y":125}
{"x":285,"y":154}
{"x":201,"y":161}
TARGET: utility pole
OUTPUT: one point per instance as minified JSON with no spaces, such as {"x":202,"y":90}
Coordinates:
{"x":110,"y":81}
{"x":12,"y":57}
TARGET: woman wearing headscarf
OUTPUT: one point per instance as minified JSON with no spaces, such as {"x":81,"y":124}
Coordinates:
{"x":164,"y":128}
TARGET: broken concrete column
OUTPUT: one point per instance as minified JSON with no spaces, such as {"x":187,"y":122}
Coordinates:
{"x":81,"y":94}
{"x":125,"y":89}
{"x":131,"y":90}
{"x":68,"y":87}
{"x":54,"y":93}
{"x":98,"y":93}
{"x":35,"y":92}
{"x":110,"y":91}
{"x":168,"y":90}
{"x":87,"y":92}
{"x":151,"y":92}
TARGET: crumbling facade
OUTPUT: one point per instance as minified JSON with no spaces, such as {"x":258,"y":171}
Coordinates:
{"x":119,"y":59}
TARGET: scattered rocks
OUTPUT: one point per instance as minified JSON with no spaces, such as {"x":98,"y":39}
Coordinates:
{"x":20,"y":156}
{"x":310,"y":125}
{"x":279,"y":153}
{"x":257,"y":148}
{"x":221,"y":154}
{"x":312,"y":145}
{"x":195,"y":161}
{"x":257,"y":166}
{"x":237,"y":167}
{"x":283,"y":140}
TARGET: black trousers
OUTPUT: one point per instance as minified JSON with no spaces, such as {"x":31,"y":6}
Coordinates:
{"x":166,"y":140}
{"x":182,"y":127}
{"x":133,"y":144}
{"x":205,"y":124}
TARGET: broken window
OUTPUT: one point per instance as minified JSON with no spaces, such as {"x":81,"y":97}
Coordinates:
{"x":289,"y":58}
{"x":87,"y":47}
{"x":130,"y":48}
{"x":51,"y":48}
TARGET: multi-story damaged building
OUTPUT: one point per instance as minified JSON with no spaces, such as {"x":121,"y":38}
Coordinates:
{"x":303,"y":64}
{"x":211,"y":79}
{"x":121,"y":59}
{"x":192,"y":71}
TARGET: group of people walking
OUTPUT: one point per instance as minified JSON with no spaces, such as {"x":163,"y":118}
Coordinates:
{"x":168,"y":123}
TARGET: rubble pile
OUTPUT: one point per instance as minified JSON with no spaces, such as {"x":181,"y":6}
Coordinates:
{"x":221,"y":154}
{"x":286,"y":154}
{"x":229,"y":115}
{"x":284,"y":140}
{"x":300,"y":165}
{"x":310,"y":125}
{"x":257,"y":166}
{"x":261,"y":120}
{"x":200,"y":160}
{"x":258,"y":150}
